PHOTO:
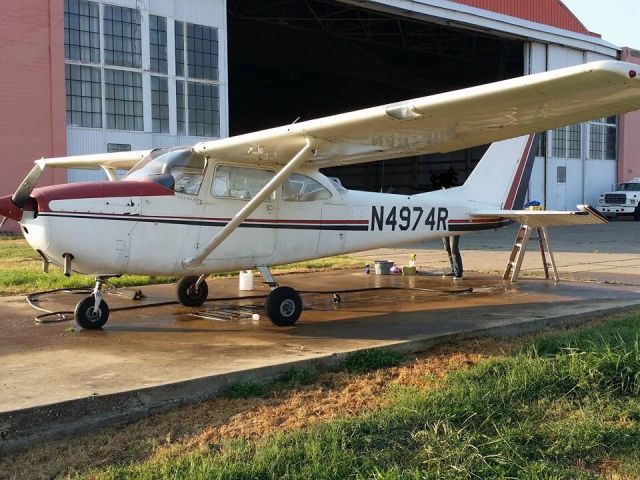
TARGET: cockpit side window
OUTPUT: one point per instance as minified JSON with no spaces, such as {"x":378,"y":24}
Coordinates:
{"x":178,"y":169}
{"x":300,"y":188}
{"x":240,"y":182}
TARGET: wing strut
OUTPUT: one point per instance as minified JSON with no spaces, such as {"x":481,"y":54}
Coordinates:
{"x":301,"y":157}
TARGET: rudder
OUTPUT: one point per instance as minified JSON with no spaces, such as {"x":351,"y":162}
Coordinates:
{"x":501,"y":178}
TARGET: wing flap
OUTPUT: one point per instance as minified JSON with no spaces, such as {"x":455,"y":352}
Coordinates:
{"x":448,"y":121}
{"x":585,"y":215}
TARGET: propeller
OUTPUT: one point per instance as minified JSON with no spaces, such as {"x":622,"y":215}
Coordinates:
{"x":21,"y":196}
{"x":12,"y":206}
{"x":2,"y":222}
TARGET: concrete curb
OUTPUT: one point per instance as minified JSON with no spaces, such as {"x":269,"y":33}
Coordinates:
{"x":22,"y":428}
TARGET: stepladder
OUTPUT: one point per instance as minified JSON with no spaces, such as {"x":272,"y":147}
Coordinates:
{"x":512,"y":271}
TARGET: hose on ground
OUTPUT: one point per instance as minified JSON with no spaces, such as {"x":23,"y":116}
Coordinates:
{"x":68,"y":315}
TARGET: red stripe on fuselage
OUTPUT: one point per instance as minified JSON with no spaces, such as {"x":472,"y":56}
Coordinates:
{"x":76,"y":191}
{"x":478,"y":220}
{"x":517,"y":178}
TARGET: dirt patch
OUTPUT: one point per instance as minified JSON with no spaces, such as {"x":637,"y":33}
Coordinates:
{"x":611,"y":470}
{"x":189,"y":428}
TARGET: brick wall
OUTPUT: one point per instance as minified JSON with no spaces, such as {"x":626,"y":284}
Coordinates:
{"x":32,"y":90}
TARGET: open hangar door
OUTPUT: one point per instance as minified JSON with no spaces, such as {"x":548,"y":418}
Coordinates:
{"x":303,"y":59}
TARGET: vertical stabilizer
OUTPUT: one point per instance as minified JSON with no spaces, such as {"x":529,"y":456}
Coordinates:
{"x":501,"y":178}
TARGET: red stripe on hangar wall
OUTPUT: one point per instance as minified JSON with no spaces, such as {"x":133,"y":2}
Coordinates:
{"x":548,"y":12}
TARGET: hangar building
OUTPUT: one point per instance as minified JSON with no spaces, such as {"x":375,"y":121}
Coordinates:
{"x":86,"y":76}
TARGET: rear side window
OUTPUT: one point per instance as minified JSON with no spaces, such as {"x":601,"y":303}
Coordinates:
{"x":240,"y":182}
{"x":299,"y":188}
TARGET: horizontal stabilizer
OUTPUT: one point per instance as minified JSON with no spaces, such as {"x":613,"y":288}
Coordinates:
{"x":585,"y":215}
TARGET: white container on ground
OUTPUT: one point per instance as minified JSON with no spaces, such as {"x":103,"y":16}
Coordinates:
{"x":383,"y":267}
{"x":246,"y":280}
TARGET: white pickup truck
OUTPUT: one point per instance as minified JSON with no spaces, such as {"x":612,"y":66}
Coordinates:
{"x":625,"y":200}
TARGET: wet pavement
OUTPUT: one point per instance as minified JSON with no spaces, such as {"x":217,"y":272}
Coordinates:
{"x":607,"y":253}
{"x":56,"y":380}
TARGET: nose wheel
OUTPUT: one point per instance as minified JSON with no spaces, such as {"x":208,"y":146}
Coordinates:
{"x":192,"y":291}
{"x":92,"y":312}
{"x":89,"y":317}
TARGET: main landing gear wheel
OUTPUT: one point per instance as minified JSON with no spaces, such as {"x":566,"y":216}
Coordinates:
{"x":283,"y":306}
{"x":188,"y":294}
{"x":89,"y":317}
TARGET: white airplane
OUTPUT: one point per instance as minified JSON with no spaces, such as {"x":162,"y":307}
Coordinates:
{"x":257,"y":200}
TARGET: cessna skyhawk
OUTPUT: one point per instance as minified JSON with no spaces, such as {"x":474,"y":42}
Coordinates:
{"x":257,"y":200}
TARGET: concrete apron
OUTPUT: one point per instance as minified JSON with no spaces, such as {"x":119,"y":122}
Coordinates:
{"x":57,"y":381}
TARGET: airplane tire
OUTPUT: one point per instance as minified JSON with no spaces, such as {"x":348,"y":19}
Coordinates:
{"x":283,"y":306}
{"x":89,"y":319}
{"x":188,"y":295}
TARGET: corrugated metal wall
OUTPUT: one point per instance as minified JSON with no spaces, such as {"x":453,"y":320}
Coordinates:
{"x":585,"y":179}
{"x":547,"y":12}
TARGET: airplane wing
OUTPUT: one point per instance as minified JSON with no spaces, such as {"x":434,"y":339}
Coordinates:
{"x":447,"y":121}
{"x":585,"y":215}
{"x":118,"y":160}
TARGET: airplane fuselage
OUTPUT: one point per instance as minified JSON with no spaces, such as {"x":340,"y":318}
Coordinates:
{"x":141,"y":227}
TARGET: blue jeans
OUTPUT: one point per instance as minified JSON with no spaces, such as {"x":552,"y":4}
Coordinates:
{"x":453,"y":251}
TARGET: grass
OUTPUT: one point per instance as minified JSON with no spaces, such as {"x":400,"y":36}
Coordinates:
{"x":563,"y":406}
{"x":367,"y":360}
{"x":21,"y":270}
{"x":356,"y":363}
{"x":290,"y":380}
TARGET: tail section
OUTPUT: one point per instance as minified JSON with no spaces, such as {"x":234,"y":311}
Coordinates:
{"x":501,"y":178}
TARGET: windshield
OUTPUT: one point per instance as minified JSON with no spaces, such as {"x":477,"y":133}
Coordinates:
{"x":629,"y":187}
{"x":178,"y":169}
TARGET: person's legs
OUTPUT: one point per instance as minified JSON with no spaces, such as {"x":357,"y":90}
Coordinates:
{"x":456,"y":258}
{"x":446,"y":241}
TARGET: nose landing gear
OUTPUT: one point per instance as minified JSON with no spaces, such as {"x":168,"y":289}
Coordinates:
{"x":92,"y":312}
{"x":192,"y":291}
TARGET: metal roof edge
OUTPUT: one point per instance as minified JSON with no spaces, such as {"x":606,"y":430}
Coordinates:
{"x":452,"y":13}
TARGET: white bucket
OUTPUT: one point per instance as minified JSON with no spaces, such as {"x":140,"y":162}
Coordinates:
{"x":246,"y":280}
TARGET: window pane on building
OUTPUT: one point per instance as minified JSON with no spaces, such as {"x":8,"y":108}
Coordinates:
{"x":160,"y":104}
{"x":158,"y":43}
{"x":610,"y":142}
{"x":81,"y":31}
{"x":573,"y":141}
{"x":122,"y":37}
{"x":558,"y":146}
{"x":542,"y":145}
{"x":179,"y":48}
{"x":84,"y":96}
{"x":204,"y":109}
{"x":561,"y":174}
{"x":123,"y":99}
{"x":595,"y":141}
{"x":180,"y":107}
{"x":603,"y":139}
{"x":202,"y":52}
